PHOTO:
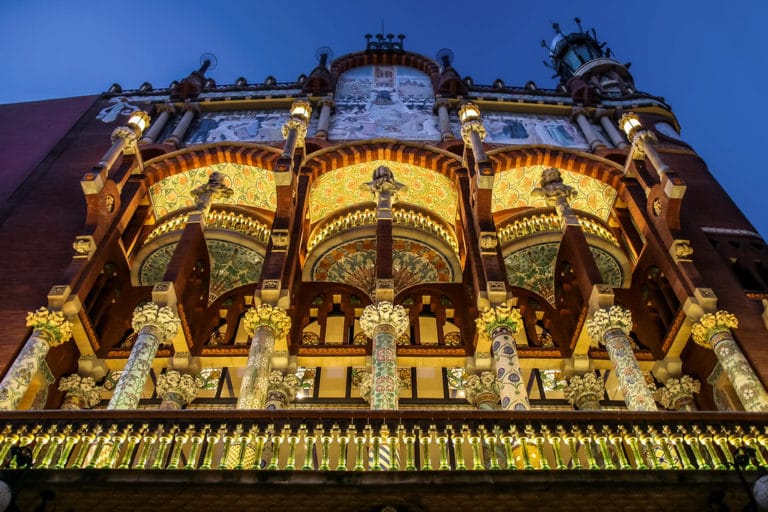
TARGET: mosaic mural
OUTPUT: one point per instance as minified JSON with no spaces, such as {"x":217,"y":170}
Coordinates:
{"x":533,"y":268}
{"x":519,"y":129}
{"x":513,"y":189}
{"x":232,"y":265}
{"x":252,"y":186}
{"x":345,"y":187}
{"x":237,"y":126}
{"x":354,"y":263}
{"x":384,"y":101}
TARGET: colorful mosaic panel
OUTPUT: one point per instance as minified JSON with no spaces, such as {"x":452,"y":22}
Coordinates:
{"x":354,"y":263}
{"x":250,"y":126}
{"x":345,"y":187}
{"x":513,"y":189}
{"x":524,"y":129}
{"x":384,"y":101}
{"x":232,"y":265}
{"x":252,"y":186}
{"x":533,"y":268}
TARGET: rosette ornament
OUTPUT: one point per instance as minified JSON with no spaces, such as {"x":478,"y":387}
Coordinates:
{"x":482,"y":390}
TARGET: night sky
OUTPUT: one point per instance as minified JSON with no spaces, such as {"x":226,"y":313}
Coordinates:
{"x":705,"y":58}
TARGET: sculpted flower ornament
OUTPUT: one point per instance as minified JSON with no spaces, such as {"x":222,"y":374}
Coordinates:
{"x":712,"y":323}
{"x":498,"y":316}
{"x":51,"y":324}
{"x":615,"y":317}
{"x":384,"y":313}
{"x":266,"y":315}
{"x":159,"y":317}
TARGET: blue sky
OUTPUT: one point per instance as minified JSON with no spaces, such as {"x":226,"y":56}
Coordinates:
{"x":706,"y":58}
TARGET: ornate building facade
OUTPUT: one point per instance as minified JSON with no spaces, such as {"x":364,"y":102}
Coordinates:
{"x":383,"y":275}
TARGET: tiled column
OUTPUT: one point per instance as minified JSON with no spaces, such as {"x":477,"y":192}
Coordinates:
{"x":282,"y":390}
{"x":610,"y":327}
{"x":154,"y":325}
{"x":383,"y":323}
{"x":176,"y":389}
{"x":584,"y":392}
{"x":49,"y":329}
{"x":713,"y":330}
{"x":482,"y":391}
{"x":677,"y":394}
{"x":499,"y":324}
{"x":81,"y":392}
{"x":264,"y":323}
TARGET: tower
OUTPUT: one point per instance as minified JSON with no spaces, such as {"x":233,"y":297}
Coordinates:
{"x":305,"y":291}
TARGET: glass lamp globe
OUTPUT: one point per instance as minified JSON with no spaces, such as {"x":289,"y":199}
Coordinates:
{"x":760,"y":491}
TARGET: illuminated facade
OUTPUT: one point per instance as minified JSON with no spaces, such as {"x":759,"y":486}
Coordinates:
{"x":337,"y":290}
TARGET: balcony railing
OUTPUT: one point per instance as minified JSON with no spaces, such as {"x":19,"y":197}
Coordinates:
{"x":292,"y":440}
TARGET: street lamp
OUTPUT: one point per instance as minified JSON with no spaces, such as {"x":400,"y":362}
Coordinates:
{"x":125,"y":138}
{"x":473,"y":133}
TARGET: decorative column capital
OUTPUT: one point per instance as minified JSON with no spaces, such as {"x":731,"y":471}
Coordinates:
{"x":470,"y":127}
{"x":579,"y":111}
{"x":711,"y":324}
{"x":82,"y":388}
{"x":366,"y":384}
{"x":295,"y":124}
{"x":498,"y":316}
{"x":283,"y":384}
{"x":183,"y":384}
{"x":154,"y":316}
{"x":481,"y":389}
{"x":51,"y":325}
{"x":384,"y":313}
{"x":606,"y":319}
{"x":584,"y":392}
{"x":678,"y":393}
{"x":327,"y":102}
{"x":268,"y":316}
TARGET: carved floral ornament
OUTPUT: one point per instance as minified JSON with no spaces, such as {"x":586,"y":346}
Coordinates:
{"x":711,"y":324}
{"x":184,"y":384}
{"x":605,"y":319}
{"x":286,"y":384}
{"x":269,"y":316}
{"x":584,"y":388}
{"x":84,"y":388}
{"x":480,"y":388}
{"x":677,"y":391}
{"x":384,"y":313}
{"x":51,"y":324}
{"x":498,"y":316}
{"x":153,"y":315}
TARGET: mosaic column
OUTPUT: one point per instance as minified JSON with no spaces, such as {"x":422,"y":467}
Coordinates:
{"x":324,"y":123}
{"x":264,"y":323}
{"x":282,"y":390}
{"x":610,"y":327}
{"x":499,"y":324}
{"x":49,"y":329}
{"x":677,"y":394}
{"x":81,"y":392}
{"x":154,"y":325}
{"x":482,"y":391}
{"x":584,"y":392}
{"x":383,"y":323}
{"x":176,"y":389}
{"x":713,"y":330}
